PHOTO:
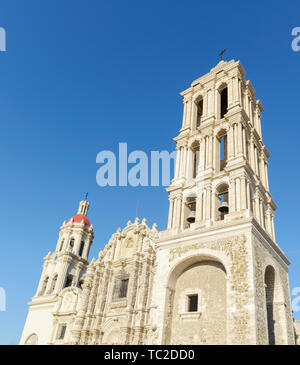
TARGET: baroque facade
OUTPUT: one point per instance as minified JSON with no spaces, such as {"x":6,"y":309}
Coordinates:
{"x":215,"y":276}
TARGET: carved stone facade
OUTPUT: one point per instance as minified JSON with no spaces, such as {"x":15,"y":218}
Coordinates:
{"x":216,"y":274}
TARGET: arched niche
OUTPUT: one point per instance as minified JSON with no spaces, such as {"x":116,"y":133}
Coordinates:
{"x":196,"y":303}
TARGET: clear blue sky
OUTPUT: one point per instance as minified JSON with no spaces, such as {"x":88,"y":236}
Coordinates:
{"x":80,"y":76}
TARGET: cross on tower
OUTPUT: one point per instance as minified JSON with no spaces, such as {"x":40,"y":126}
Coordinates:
{"x":221,"y":53}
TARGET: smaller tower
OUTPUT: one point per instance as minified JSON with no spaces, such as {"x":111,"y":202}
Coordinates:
{"x":66,"y":265}
{"x":63,"y":268}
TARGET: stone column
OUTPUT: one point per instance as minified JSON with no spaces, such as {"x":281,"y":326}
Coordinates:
{"x":63,"y":272}
{"x":208,"y":202}
{"x":183,"y":161}
{"x":238,"y":194}
{"x":269,"y":221}
{"x":252,"y":156}
{"x":171,"y":207}
{"x":266,"y":176}
{"x":230,"y":92}
{"x":206,"y":152}
{"x":232,"y":196}
{"x":240,"y":96}
{"x":243,"y":193}
{"x":256,"y":206}
{"x":273,"y":228}
{"x":262,"y":169}
{"x":215,"y":154}
{"x":249,"y":204}
{"x":199,"y":208}
{"x":188,"y":114}
{"x":193,"y":115}
{"x":178,"y":211}
{"x":189,"y":168}
{"x":178,"y":158}
{"x":201,"y":156}
{"x":239,"y":139}
{"x":210,"y":151}
{"x":261,"y":212}
{"x":244,"y":145}
{"x":209,"y":102}
{"x":247,"y":102}
{"x":184,"y":114}
{"x":182,"y":215}
{"x":230,"y":144}
{"x":251,"y":111}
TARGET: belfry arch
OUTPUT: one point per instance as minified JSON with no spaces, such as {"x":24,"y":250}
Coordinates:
{"x":275,"y":307}
{"x":196,"y":302}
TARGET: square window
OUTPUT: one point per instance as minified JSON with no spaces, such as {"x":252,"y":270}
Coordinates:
{"x":193,"y":303}
{"x":62,"y":331}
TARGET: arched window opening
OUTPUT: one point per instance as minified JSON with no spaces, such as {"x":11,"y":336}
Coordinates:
{"x":221,"y":152}
{"x":196,"y":155}
{"x":61,"y":245}
{"x":269,"y":286}
{"x":222,"y":198}
{"x":44,"y":286}
{"x":53,"y":284}
{"x":223,"y":102}
{"x":189,"y":211}
{"x":123,"y":288}
{"x":81,"y":248}
{"x":71,"y":245}
{"x":69,"y":281}
{"x":199,"y":112}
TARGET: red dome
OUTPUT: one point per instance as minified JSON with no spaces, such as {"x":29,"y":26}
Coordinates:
{"x":79,"y":217}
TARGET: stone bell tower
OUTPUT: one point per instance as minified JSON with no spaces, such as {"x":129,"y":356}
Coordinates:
{"x":221,"y":138}
{"x":220,"y":241}
{"x":62,"y":269}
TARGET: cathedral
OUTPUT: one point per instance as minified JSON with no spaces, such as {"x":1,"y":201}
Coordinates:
{"x":215,"y":275}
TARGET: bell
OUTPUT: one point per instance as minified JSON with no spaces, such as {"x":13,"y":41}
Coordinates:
{"x":224,"y":208}
{"x":191,"y":217}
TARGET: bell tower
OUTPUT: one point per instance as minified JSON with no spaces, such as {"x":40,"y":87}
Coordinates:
{"x":66,"y":265}
{"x":63,"y":268}
{"x":221,"y":169}
{"x":225,"y":276}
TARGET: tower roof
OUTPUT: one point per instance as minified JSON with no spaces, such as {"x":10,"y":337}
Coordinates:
{"x":78,"y":218}
{"x":81,"y":214}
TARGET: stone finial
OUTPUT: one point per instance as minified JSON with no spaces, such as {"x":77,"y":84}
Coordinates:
{"x":154,"y":227}
{"x":144,"y":221}
{"x":136,"y":220}
{"x":129,"y":223}
{"x":83,"y":207}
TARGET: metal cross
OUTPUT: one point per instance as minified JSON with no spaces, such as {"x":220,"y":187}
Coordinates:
{"x":86,"y":195}
{"x":221,"y":53}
